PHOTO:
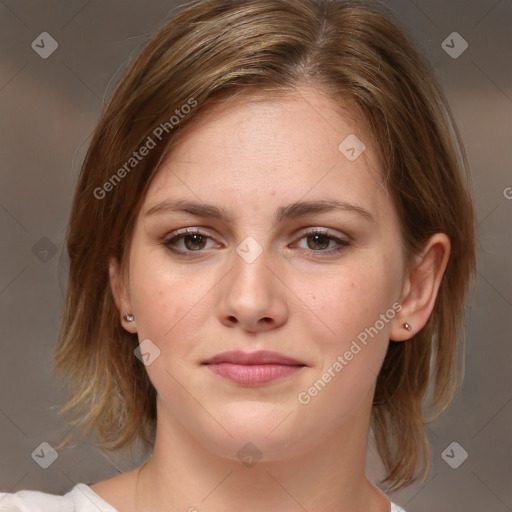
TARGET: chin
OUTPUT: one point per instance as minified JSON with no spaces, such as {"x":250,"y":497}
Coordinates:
{"x":268,"y":428}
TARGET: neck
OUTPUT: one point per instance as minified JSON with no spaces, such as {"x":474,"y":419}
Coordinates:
{"x":329,"y":477}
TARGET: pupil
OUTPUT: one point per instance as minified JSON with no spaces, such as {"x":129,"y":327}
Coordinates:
{"x":316,"y":237}
{"x":196,"y":240}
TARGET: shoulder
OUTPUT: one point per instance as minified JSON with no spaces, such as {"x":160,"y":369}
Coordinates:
{"x":79,"y":499}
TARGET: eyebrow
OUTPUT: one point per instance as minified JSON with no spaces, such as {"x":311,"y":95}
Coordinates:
{"x":290,"y":211}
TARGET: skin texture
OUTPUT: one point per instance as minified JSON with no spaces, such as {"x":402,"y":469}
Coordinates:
{"x":298,"y":298}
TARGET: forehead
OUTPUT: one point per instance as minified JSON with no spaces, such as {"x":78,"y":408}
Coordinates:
{"x":287,"y":146}
{"x":273,"y":116}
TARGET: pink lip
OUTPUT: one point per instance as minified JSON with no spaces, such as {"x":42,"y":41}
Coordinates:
{"x":249,"y":358}
{"x":253,"y":369}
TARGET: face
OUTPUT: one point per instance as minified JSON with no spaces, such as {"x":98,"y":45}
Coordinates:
{"x":264,"y":260}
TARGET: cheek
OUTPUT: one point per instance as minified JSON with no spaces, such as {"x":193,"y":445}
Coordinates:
{"x":352,"y":336}
{"x":352,"y":353}
{"x":164,"y":300}
{"x":351,"y":301}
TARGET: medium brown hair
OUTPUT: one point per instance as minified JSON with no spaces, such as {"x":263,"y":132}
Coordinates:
{"x":356,"y":53}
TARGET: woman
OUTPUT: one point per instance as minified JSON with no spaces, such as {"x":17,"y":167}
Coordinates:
{"x":271,"y":240}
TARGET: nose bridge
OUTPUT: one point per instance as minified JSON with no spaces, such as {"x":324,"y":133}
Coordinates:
{"x":251,"y":295}
{"x":251,"y":277}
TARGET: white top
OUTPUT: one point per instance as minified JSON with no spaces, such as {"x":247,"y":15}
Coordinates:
{"x":79,"y":499}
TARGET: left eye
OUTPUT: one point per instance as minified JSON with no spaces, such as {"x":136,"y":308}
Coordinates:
{"x":318,"y":241}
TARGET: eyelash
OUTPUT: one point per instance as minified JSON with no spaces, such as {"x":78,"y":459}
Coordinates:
{"x":172,"y":240}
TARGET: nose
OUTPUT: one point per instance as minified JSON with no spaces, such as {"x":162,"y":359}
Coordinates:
{"x":253,"y":297}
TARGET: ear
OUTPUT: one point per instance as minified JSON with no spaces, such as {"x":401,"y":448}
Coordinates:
{"x":120,"y":291}
{"x":421,"y":286}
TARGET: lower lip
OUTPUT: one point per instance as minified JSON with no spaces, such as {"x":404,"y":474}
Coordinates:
{"x":254,"y":374}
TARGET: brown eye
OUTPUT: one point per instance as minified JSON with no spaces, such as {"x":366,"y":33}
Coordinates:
{"x":192,"y":241}
{"x":187,"y":241}
{"x":319,"y":241}
{"x":322,"y":243}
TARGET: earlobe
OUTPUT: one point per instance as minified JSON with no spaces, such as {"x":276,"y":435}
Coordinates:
{"x":121,"y":296}
{"x":421,"y":288}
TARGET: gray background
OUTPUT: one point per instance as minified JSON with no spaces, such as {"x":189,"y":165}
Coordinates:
{"x":48,"y":109}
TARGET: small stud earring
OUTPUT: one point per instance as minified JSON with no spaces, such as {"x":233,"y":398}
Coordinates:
{"x":129,"y":317}
{"x":407,"y":326}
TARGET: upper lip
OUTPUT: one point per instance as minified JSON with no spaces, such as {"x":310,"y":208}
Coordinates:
{"x":248,"y":358}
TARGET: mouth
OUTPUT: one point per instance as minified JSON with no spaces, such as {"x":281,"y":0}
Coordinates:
{"x":253,"y":369}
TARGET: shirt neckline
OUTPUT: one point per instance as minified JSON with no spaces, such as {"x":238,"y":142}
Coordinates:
{"x":100,"y":501}
{"x":85,"y":490}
